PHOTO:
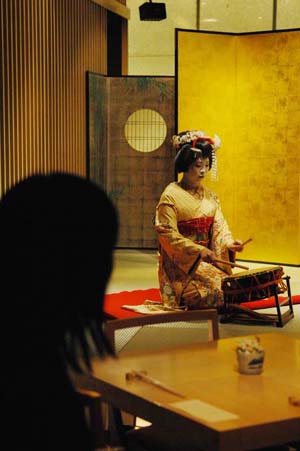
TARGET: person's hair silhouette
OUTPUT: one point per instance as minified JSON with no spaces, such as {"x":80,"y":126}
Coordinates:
{"x":58,"y":233}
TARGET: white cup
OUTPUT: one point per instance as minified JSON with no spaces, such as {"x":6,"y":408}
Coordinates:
{"x":250,"y":362}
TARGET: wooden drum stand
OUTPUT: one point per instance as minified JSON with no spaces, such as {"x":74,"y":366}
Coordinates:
{"x":254,"y":285}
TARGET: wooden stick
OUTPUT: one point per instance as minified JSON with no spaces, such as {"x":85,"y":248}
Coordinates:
{"x":141,"y":375}
{"x":247,"y":241}
{"x":226,"y":262}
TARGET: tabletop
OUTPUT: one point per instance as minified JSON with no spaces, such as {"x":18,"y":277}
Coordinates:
{"x":220,"y":408}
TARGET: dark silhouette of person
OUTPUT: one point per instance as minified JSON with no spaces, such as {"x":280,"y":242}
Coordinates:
{"x":58,"y":232}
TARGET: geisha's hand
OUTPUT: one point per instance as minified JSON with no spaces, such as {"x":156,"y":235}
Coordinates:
{"x":207,"y":255}
{"x":162,"y":227}
{"x":235,"y":246}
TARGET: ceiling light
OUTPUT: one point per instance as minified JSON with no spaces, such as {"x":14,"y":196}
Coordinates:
{"x":210,"y":19}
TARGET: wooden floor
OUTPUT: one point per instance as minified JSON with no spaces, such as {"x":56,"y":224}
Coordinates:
{"x":137,"y":269}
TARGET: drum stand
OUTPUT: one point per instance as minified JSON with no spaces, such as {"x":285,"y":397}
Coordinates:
{"x":234,"y":313}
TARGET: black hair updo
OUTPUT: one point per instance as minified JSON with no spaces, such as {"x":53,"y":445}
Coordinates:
{"x":188,"y":153}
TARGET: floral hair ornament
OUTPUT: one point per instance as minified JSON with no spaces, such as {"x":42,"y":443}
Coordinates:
{"x":192,"y":137}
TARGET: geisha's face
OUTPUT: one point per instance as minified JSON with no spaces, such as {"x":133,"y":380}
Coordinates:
{"x":197,"y":170}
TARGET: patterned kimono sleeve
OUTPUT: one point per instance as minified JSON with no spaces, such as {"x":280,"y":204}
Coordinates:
{"x":221,"y":237}
{"x":182,"y":251}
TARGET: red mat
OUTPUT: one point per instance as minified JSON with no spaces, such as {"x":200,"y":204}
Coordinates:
{"x":268,"y":302}
{"x":113,"y":302}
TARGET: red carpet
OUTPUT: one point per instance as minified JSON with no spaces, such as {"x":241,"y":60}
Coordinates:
{"x":113,"y":302}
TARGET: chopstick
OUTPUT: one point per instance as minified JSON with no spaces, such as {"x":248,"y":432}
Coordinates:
{"x":141,"y":375}
{"x":226,"y":262}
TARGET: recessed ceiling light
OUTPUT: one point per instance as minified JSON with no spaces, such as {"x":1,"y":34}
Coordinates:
{"x":210,"y":19}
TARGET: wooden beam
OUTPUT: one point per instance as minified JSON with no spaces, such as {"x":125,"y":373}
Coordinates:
{"x":115,"y":7}
{"x":124,"y":47}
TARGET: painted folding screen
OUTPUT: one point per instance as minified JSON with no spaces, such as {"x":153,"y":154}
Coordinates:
{"x":246,"y":89}
{"x":131,"y":123}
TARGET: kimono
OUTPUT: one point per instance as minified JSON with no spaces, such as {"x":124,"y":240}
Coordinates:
{"x":184,"y":225}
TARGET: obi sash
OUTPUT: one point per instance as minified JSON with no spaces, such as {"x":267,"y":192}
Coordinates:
{"x":198,"y":229}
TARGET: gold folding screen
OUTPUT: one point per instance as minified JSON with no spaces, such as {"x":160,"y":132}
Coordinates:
{"x":246,"y":88}
{"x":46,"y":47}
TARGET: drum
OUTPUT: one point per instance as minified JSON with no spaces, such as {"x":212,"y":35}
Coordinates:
{"x":253,"y":285}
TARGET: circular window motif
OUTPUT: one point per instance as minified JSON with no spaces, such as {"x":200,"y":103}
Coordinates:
{"x":145,"y":130}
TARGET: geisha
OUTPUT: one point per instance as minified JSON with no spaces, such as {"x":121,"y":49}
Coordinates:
{"x":192,"y":230}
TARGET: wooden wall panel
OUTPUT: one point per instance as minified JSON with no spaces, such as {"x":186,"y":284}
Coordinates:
{"x":46,"y":46}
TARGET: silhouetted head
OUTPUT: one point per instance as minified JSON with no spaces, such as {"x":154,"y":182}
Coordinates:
{"x":58,"y":233}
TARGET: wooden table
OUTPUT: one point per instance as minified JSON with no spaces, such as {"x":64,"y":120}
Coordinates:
{"x":259,"y":413}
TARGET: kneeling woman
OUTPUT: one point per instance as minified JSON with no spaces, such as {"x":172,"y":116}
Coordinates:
{"x":192,"y":230}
